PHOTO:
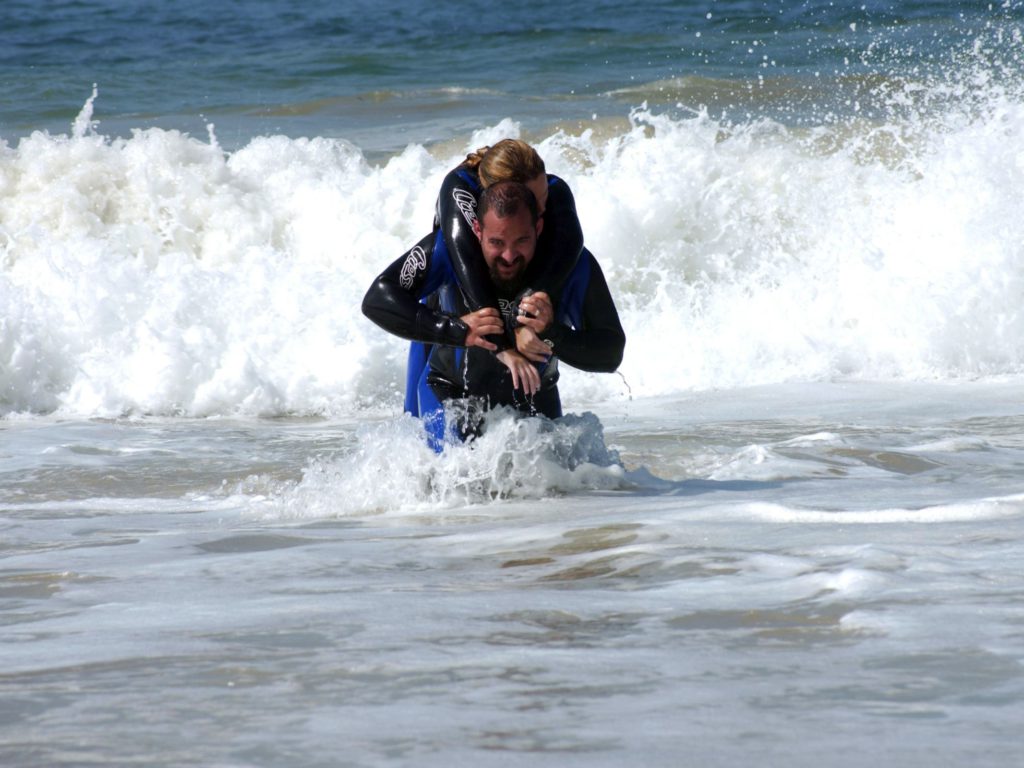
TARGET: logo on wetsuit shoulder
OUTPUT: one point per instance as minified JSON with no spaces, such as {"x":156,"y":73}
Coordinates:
{"x":414,"y":263}
{"x":466,"y":203}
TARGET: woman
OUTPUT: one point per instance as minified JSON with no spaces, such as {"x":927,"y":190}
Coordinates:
{"x":561,"y":239}
{"x":558,"y":250}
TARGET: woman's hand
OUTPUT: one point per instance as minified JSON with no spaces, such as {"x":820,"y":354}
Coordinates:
{"x":483,"y":322}
{"x":530,"y":345}
{"x":536,"y":312}
{"x":524,"y":374}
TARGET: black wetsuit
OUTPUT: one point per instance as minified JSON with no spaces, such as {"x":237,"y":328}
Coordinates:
{"x":586,"y":333}
{"x":558,"y":248}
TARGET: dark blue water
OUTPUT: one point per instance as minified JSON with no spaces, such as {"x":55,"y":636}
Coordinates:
{"x":386,"y":72}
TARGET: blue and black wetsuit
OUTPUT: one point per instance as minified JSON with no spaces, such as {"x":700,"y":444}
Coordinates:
{"x":558,"y":248}
{"x":417,"y":298}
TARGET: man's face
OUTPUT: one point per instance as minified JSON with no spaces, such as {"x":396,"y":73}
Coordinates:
{"x":508,"y":245}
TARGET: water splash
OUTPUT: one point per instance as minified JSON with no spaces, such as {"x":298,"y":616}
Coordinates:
{"x":84,"y":124}
{"x":160,"y":274}
{"x":392,"y":469}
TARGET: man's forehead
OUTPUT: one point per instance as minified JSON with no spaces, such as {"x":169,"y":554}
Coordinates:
{"x":491,"y":220}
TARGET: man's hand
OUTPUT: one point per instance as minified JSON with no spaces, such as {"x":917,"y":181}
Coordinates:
{"x":483,"y":322}
{"x":530,"y":345}
{"x":524,"y":374}
{"x":536,"y":312}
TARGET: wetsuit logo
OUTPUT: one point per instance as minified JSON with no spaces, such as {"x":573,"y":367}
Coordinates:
{"x":414,"y":263}
{"x":466,"y":203}
{"x":509,"y":309}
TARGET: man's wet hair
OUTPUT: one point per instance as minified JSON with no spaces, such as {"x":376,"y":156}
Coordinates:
{"x":506,"y":198}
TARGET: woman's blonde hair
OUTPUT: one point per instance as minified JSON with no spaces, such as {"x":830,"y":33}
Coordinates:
{"x":508,"y":160}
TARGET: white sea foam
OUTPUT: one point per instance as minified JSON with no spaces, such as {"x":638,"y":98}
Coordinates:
{"x":392,"y":469}
{"x":981,"y":509}
{"x":160,"y":274}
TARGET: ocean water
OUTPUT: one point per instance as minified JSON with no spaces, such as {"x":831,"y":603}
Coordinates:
{"x":789,"y":531}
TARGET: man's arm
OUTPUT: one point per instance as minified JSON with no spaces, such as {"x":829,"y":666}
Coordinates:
{"x":599,"y":343}
{"x":393,"y":300}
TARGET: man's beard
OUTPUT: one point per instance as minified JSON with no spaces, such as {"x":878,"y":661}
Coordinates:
{"x":511,"y":287}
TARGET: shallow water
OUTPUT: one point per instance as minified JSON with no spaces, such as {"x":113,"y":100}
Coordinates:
{"x":788,"y":532}
{"x":819,"y":575}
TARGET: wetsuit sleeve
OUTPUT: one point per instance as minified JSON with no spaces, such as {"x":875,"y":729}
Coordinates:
{"x":599,"y":344}
{"x":561,"y":241}
{"x":392,"y":301}
{"x":456,"y":212}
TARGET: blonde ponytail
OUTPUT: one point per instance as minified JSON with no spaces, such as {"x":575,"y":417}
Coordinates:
{"x":508,"y":160}
{"x":472,"y":161}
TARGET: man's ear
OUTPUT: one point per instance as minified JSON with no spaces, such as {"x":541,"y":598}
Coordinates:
{"x":476,"y":230}
{"x":540,"y":225}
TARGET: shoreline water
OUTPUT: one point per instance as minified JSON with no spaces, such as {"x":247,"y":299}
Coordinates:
{"x":789,"y":531}
{"x":376,"y":78}
{"x":839,"y":578}
{"x":162,"y":274}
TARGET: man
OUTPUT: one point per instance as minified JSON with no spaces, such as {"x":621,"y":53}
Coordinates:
{"x":458,"y":375}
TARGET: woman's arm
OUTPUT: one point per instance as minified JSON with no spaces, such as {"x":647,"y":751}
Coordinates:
{"x":560,"y":243}
{"x":456,"y":212}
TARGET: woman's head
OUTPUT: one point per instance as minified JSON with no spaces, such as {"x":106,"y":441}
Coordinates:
{"x":511,"y":160}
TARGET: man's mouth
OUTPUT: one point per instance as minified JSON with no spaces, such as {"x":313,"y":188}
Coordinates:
{"x":506,"y":275}
{"x":509,"y":268}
